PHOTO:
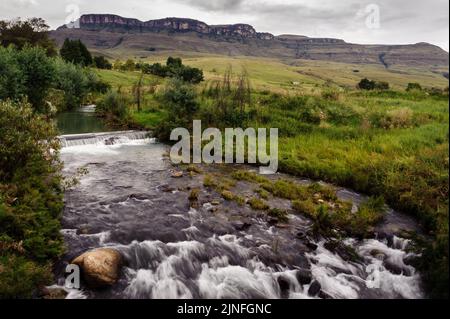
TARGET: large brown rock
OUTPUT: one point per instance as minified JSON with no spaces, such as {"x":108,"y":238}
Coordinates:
{"x":100,"y":267}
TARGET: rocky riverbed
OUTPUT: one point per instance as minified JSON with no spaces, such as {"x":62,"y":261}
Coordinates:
{"x":195,"y":232}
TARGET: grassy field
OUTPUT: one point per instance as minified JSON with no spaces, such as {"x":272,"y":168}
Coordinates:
{"x":291,"y":76}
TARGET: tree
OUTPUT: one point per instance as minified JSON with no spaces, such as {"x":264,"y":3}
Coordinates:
{"x":137,"y":91}
{"x":101,"y":62}
{"x":366,"y":84}
{"x":129,"y":65}
{"x":71,"y":79}
{"x":174,"y":68}
{"x":180,"y":100}
{"x":192,"y":75}
{"x":12,"y":82}
{"x":174,"y":62}
{"x":38,"y":73}
{"x":31,"y":32}
{"x":74,"y":51}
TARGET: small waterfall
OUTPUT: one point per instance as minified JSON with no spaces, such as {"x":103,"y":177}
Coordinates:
{"x":110,"y":138}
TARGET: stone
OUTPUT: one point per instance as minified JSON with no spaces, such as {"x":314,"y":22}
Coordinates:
{"x":54,"y":293}
{"x":312,"y":246}
{"x":304,"y":276}
{"x":177,"y":174}
{"x":314,"y":289}
{"x":324,"y":295}
{"x":284,"y":286}
{"x":240,"y":225}
{"x":100,"y":267}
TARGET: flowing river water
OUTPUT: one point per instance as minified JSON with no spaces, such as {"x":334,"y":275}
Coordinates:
{"x":128,"y":200}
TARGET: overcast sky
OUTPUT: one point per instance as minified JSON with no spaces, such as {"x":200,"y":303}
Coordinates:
{"x":400,"y":21}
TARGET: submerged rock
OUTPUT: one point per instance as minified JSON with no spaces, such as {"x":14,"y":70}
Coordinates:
{"x":100,"y":267}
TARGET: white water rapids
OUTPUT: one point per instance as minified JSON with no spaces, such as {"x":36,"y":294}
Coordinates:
{"x":177,"y":252}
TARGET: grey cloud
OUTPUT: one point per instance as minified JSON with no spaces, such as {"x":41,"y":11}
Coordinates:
{"x":215,"y":5}
{"x":402,"y":21}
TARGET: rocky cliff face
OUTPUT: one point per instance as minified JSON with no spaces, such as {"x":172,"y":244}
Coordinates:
{"x":175,"y":34}
{"x":109,"y":22}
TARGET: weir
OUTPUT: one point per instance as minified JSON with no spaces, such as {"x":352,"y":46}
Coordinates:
{"x":106,"y":138}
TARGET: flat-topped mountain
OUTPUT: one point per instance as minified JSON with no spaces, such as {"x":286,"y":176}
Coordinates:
{"x":115,"y":23}
{"x":108,"y":33}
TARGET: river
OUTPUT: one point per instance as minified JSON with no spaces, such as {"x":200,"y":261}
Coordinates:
{"x":129,"y":201}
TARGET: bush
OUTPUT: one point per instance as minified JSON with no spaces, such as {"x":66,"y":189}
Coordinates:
{"x":366,"y":84}
{"x":400,"y":118}
{"x":174,"y":68}
{"x":413,"y":87}
{"x":114,"y":103}
{"x":180,"y":101}
{"x":30,"y":200}
{"x":101,"y":62}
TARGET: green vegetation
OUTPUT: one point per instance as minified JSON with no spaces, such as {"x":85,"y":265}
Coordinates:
{"x":33,"y":87}
{"x":174,"y":68}
{"x":101,"y":62}
{"x":366,"y":84}
{"x":30,"y":200}
{"x":389,"y":139}
{"x":74,"y":51}
{"x":30,"y":73}
{"x":258,"y":204}
{"x":31,"y":32}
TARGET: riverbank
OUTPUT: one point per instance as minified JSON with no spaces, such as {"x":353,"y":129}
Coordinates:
{"x":31,"y":201}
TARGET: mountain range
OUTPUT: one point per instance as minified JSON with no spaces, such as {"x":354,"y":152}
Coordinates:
{"x":108,"y":33}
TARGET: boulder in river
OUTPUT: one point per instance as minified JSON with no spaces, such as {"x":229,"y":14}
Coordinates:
{"x":314,"y":289}
{"x":100,"y":267}
{"x":304,"y":276}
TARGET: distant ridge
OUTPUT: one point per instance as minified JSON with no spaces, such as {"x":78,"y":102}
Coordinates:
{"x":109,"y":32}
{"x":117,"y":23}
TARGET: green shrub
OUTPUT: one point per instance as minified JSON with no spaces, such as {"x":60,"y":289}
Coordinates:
{"x":114,"y":104}
{"x":30,"y":200}
{"x":101,"y":62}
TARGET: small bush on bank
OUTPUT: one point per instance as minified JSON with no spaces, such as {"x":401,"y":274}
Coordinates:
{"x":114,"y":104}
